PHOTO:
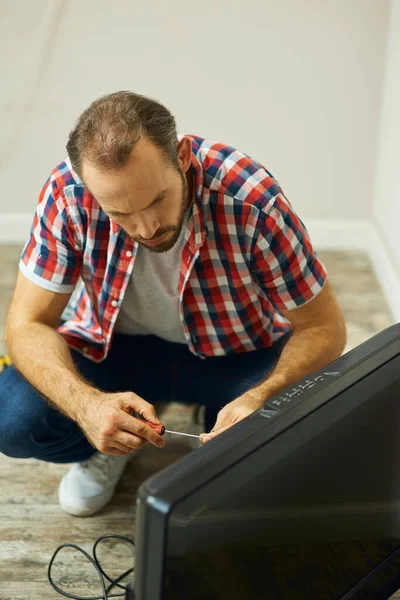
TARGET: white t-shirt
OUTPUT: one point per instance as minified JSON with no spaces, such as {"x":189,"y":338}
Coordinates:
{"x":151,"y":301}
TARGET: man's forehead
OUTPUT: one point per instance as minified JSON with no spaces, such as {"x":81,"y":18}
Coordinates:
{"x":146,"y":164}
{"x":132,"y":181}
{"x":115,"y":185}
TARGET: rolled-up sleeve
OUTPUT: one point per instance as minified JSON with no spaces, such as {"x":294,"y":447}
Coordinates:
{"x":52,"y":257}
{"x":284,"y":263}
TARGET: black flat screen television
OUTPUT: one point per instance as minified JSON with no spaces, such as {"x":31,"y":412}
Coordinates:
{"x":299,"y":501}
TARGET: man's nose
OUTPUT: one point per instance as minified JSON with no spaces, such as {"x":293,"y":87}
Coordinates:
{"x":146,"y":226}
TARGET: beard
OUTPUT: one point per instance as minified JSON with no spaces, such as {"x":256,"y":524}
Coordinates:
{"x":171,"y":241}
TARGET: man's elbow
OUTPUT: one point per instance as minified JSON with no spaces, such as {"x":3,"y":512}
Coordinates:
{"x":336,"y":334}
{"x":8,"y":329}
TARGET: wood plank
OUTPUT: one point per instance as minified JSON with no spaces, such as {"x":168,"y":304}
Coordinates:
{"x":32,"y":525}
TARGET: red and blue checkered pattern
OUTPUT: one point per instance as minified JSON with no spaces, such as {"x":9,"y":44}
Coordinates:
{"x":247,"y":256}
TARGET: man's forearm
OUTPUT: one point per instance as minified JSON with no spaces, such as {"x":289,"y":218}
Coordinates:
{"x":42,"y":356}
{"x":306,"y":351}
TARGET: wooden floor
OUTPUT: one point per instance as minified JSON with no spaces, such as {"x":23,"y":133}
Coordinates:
{"x":32,"y":525}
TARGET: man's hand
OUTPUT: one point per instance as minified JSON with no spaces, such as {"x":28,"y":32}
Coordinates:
{"x":232,"y":413}
{"x":108,"y":425}
{"x":318,"y":337}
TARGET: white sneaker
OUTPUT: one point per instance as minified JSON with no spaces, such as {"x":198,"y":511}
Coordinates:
{"x":90,"y":485}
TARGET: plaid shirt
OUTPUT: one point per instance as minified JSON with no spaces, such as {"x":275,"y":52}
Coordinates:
{"x":246,"y":256}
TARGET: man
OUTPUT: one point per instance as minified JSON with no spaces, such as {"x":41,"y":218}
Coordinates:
{"x":158,"y":268}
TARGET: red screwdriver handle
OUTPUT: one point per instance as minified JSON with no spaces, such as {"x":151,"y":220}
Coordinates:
{"x":158,"y":427}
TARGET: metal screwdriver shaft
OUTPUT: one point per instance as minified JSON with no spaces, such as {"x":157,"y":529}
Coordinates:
{"x":180,"y":433}
{"x":160,"y":429}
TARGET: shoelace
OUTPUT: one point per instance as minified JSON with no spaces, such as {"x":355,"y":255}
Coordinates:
{"x":99,"y":466}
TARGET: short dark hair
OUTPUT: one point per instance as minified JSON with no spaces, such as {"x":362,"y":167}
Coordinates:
{"x":107,"y":131}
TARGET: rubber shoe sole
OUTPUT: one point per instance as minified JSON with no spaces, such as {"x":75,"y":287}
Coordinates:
{"x":89,"y":486}
{"x":72,"y":506}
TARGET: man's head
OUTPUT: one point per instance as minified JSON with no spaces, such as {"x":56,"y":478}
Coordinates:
{"x":125,"y":149}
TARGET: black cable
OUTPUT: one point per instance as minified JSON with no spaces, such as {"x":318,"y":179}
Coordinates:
{"x":101,"y":573}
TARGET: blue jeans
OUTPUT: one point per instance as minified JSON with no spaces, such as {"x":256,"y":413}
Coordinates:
{"x":154,"y":369}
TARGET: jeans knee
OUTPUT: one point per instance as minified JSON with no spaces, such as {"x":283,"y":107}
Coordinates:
{"x":31,"y":428}
{"x":20,"y":408}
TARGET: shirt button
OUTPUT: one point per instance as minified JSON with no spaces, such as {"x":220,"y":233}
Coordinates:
{"x":128,"y":253}
{"x":85,"y":350}
{"x":114,"y":303}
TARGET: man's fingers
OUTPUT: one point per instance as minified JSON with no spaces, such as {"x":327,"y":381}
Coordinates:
{"x":124,"y":448}
{"x":227,"y":417}
{"x":132,"y":425}
{"x":118,"y":450}
{"x":146,"y":409}
{"x":130,"y":441}
{"x":223,"y":421}
{"x":206,"y":437}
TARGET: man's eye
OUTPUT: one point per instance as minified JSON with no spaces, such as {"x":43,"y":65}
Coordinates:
{"x":157,"y":202}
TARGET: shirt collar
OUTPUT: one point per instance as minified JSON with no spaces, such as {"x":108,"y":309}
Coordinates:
{"x":200,"y":226}
{"x":115,"y":228}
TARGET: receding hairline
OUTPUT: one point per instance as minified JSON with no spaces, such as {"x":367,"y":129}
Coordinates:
{"x":89,"y":158}
{"x":109,"y":129}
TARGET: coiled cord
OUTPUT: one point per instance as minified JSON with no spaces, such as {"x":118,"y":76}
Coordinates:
{"x":95,"y":562}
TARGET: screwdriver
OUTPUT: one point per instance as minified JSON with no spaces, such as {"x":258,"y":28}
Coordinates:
{"x":160,"y":429}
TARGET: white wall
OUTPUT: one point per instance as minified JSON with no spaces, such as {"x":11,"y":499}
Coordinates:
{"x":386,"y":205}
{"x":295,"y":83}
{"x":385,"y":253}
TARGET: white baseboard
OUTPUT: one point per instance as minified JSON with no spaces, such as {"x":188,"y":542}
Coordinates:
{"x":326,"y":234}
{"x":387,"y":272}
{"x":337,"y":234}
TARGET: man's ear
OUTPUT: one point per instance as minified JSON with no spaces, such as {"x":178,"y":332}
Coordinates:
{"x":185,"y":153}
